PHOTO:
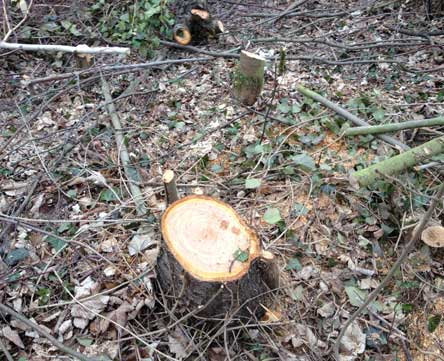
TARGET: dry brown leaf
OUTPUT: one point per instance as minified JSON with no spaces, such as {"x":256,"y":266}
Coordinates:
{"x":12,"y":336}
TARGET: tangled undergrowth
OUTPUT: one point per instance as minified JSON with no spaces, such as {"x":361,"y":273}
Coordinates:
{"x":69,"y":227}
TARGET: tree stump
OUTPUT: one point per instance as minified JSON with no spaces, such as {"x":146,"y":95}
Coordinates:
{"x":197,"y":25}
{"x":212,"y":264}
{"x":249,"y":77}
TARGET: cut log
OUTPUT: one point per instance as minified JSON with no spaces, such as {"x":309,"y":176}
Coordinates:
{"x":249,"y":77}
{"x":197,"y":25}
{"x":397,"y":164}
{"x":182,"y":34}
{"x":169,"y":181}
{"x":212,"y":262}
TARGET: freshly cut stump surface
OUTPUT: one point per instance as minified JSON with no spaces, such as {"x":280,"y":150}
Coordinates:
{"x":211,"y":260}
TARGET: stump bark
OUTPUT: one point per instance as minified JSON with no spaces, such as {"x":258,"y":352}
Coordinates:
{"x":212,"y":264}
{"x":249,"y":77}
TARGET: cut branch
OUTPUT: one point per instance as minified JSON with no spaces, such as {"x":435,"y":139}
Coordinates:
{"x":114,"y":68}
{"x":195,"y":49}
{"x":386,"y":128}
{"x":249,"y":77}
{"x":130,"y":170}
{"x":79,"y":49}
{"x":347,"y":115}
{"x":398,"y":163}
{"x":169,"y":181}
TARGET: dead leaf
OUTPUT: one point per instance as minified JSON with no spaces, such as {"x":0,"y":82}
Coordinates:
{"x":353,"y":341}
{"x":89,"y":308}
{"x":177,"y":343}
{"x":327,"y":310}
{"x":86,"y":288}
{"x":119,"y":316}
{"x":141,"y":240}
{"x":12,"y":336}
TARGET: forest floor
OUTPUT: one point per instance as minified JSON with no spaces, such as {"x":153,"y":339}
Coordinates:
{"x":68,"y":223}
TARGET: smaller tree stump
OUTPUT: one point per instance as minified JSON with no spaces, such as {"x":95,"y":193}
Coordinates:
{"x":249,"y":77}
{"x":212,"y":263}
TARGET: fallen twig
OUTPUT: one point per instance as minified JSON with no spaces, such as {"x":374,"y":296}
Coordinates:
{"x":393,"y":127}
{"x":398,"y":163}
{"x":5,"y":351}
{"x":199,"y":50}
{"x":53,"y":340}
{"x":417,"y":233}
{"x":123,"y":151}
{"x":113,"y":68}
{"x":21,"y":22}
{"x":287,"y":11}
{"x":347,"y":115}
{"x":79,"y":49}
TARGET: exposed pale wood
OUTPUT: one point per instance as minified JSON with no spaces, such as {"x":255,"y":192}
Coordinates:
{"x":210,"y":250}
{"x":182,"y":34}
{"x":169,"y":181}
{"x":204,"y":235}
{"x":84,"y":49}
{"x":203,"y":14}
{"x":433,"y":236}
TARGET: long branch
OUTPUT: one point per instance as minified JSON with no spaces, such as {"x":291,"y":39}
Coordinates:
{"x":123,"y":151}
{"x":80,"y":49}
{"x":347,"y":115}
{"x":393,"y":127}
{"x":115,"y":68}
{"x":392,"y":271}
{"x":398,"y":163}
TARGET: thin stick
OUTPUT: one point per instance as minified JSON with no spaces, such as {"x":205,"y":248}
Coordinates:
{"x":10,"y":31}
{"x":79,"y":49}
{"x":123,"y":151}
{"x":113,"y":68}
{"x":199,"y":50}
{"x":52,"y":339}
{"x":5,"y":351}
{"x":169,"y":181}
{"x":392,"y":271}
{"x":393,"y":127}
{"x":347,"y":115}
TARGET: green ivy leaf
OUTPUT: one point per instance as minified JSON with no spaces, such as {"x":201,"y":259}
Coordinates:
{"x":241,"y":256}
{"x":379,"y":114}
{"x":85,"y":341}
{"x":108,"y":195}
{"x":433,"y":322}
{"x":272,"y":216}
{"x":56,"y":243}
{"x":283,"y":106}
{"x":252,"y":183}
{"x":304,"y":161}
{"x":355,"y":295}
{"x":64,"y":227}
{"x":300,"y":210}
{"x":72,"y":193}
{"x":16,"y":255}
{"x":293,"y":264}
